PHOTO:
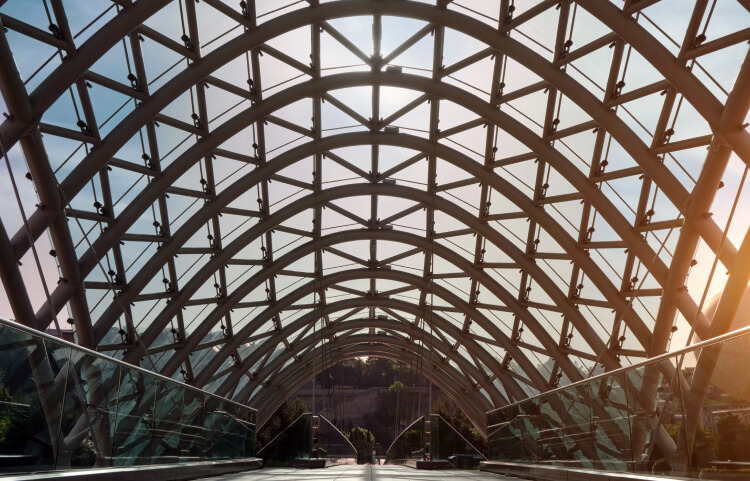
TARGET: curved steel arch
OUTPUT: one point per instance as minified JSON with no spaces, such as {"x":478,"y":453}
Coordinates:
{"x":112,"y":235}
{"x":608,"y":211}
{"x":459,"y":22}
{"x":436,"y":320}
{"x":459,"y":160}
{"x":476,"y":414}
{"x":27,"y":114}
{"x":214,"y":207}
{"x":652,"y":166}
{"x":112,"y":231}
{"x":729,"y":128}
{"x":403,"y":192}
{"x":348,"y":236}
{"x":472,"y":374}
{"x":399,"y":276}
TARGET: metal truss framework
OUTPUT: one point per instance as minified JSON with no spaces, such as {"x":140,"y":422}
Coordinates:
{"x":581,"y":262}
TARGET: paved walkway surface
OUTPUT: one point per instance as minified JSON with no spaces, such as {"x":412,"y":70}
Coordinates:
{"x":361,"y":473}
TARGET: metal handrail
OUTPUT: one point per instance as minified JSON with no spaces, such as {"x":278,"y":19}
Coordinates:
{"x":57,"y":340}
{"x":656,"y":359}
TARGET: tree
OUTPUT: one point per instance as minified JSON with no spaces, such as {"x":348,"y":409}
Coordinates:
{"x":12,"y":430}
{"x":448,"y":410}
{"x":733,"y":439}
{"x":393,"y":410}
{"x":285,"y":415}
{"x":6,"y":420}
{"x":364,"y":441}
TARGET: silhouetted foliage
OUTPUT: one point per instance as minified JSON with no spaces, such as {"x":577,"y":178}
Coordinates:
{"x":373,"y":372}
{"x":733,"y":442}
{"x":451,"y":413}
{"x":283,"y":417}
{"x":364,"y":441}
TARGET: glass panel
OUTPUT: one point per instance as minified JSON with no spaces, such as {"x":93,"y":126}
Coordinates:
{"x":165,"y":440}
{"x":65,"y":408}
{"x":716,"y":426}
{"x":235,"y":434}
{"x":212,"y":429}
{"x":410,"y":444}
{"x":135,"y":419}
{"x":656,"y":409}
{"x":504,"y":440}
{"x":192,"y":439}
{"x":576,"y":418}
{"x":657,"y":418}
{"x":89,"y":410}
{"x":32,"y":387}
{"x":551,"y":433}
{"x":251,"y":432}
{"x":447,"y":444}
{"x":611,"y":424}
{"x":527,"y":425}
{"x":294,"y":442}
{"x":333,"y":444}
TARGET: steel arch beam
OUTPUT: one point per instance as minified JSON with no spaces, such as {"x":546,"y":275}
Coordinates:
{"x":348,"y":236}
{"x":113,"y":234}
{"x":726,"y":311}
{"x":20,"y":106}
{"x":229,"y":250}
{"x":459,"y":22}
{"x":608,"y":120}
{"x":432,"y":343}
{"x":704,"y":191}
{"x":346,"y":304}
{"x":609,"y":212}
{"x":184,"y":233}
{"x":475,"y":411}
{"x":369,"y":189}
{"x":393,"y":275}
{"x":476,"y":414}
{"x":409,"y":279}
{"x":703,"y":196}
{"x":728,"y":128}
{"x":280,"y":373}
{"x":73,"y":66}
{"x":13,"y":284}
{"x":578,"y":179}
{"x":140,"y":280}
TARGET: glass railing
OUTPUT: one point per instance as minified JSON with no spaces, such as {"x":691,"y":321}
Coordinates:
{"x":408,"y":445}
{"x":447,"y":444}
{"x":65,"y":407}
{"x":685,"y":414}
{"x":294,"y":442}
{"x":332,"y":444}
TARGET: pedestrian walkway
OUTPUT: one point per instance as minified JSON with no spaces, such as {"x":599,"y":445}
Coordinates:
{"x":361,"y":473}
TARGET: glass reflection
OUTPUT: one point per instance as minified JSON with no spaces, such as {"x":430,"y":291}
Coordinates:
{"x":62,"y":407}
{"x":672,"y":417}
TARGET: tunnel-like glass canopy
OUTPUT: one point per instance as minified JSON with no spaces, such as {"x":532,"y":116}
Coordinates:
{"x":507,"y":195}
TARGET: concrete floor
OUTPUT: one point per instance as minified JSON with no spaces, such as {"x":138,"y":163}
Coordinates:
{"x":361,"y":473}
